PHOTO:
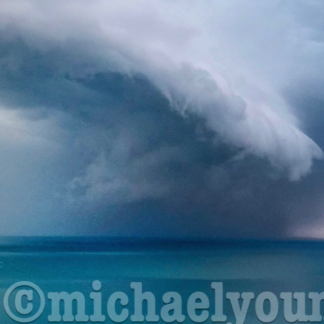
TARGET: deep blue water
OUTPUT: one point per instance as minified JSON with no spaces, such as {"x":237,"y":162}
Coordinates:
{"x":57,"y":265}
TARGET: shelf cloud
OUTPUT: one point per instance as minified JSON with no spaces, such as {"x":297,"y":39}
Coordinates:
{"x":160,"y":114}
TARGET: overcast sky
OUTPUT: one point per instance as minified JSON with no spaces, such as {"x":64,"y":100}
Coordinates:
{"x":174,"y":119}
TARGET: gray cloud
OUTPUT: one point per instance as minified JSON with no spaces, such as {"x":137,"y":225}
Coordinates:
{"x":158,"y":122}
{"x":244,"y":116}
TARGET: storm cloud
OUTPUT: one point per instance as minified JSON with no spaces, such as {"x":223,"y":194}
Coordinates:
{"x":157,"y":119}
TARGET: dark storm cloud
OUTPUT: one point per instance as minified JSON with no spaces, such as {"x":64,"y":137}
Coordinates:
{"x":134,"y":165}
{"x":118,"y":138}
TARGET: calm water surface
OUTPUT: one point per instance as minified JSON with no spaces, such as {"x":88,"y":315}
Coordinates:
{"x":57,"y":265}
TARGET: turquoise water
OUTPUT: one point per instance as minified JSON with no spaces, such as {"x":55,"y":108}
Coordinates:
{"x":184,"y":267}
